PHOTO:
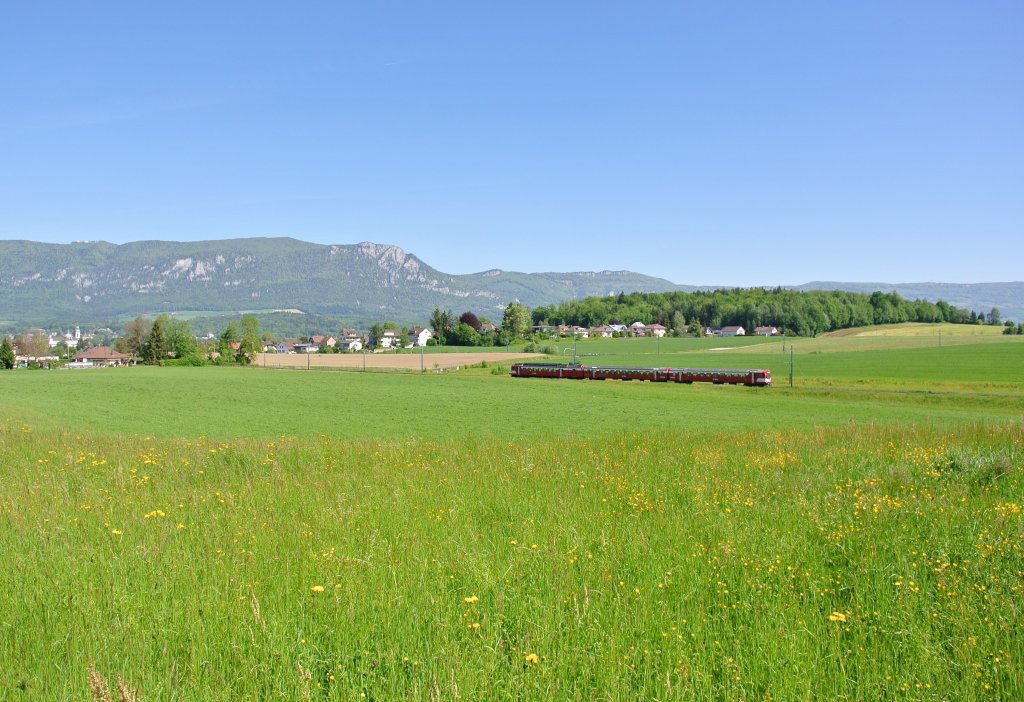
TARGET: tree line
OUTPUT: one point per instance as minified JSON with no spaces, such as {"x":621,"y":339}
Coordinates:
{"x":470,"y":330}
{"x":794,"y":312}
{"x":170,"y":340}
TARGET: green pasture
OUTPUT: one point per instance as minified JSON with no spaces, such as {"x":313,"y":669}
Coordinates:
{"x":224,"y":533}
{"x":237,"y":402}
{"x":882,"y":360}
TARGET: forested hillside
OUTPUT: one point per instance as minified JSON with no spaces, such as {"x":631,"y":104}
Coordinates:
{"x":794,"y":312}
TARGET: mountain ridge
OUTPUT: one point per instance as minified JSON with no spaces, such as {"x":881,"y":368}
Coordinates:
{"x":360,"y":281}
{"x":366,"y":281}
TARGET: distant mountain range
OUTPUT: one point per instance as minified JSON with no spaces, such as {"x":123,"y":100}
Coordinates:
{"x":362,"y":282}
{"x":96,"y":281}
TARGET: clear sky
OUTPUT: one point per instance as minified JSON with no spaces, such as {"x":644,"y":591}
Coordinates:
{"x":734,"y":143}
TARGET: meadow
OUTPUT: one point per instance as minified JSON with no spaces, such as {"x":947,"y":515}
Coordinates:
{"x":240,"y":533}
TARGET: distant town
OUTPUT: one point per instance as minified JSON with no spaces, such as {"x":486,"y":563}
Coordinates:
{"x":169,"y":340}
{"x":101,"y":347}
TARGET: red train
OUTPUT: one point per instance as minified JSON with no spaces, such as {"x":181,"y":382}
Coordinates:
{"x":576,"y":371}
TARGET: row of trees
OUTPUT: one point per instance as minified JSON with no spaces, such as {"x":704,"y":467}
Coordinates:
{"x":166,"y":337}
{"x":470,"y":330}
{"x":794,"y":312}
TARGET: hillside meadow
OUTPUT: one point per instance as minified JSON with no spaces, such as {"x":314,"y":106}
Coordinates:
{"x":240,"y":533}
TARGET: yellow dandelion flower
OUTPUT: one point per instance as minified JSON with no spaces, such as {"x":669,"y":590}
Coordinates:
{"x":837,"y":617}
{"x":532,"y":658}
{"x":317,"y":589}
{"x":471,"y":600}
{"x":116,"y":532}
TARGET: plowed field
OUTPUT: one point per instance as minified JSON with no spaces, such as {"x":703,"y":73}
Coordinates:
{"x":390,"y":361}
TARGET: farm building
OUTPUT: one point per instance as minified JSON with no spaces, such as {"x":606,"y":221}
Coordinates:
{"x":733,"y":331}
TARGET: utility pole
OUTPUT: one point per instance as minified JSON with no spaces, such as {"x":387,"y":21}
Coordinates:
{"x":791,"y":366}
{"x":421,"y":360}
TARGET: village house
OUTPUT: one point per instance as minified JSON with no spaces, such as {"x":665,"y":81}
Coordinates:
{"x":733,"y":331}
{"x":322,"y":341}
{"x":655,"y":330}
{"x":388,"y":340}
{"x":351,"y":343}
{"x":568,"y":330}
{"x":101,"y":356}
{"x":602,"y":331}
{"x":766,"y":331}
{"x":419,"y":336}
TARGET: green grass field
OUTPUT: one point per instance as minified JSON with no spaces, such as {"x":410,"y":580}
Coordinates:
{"x":233,"y":533}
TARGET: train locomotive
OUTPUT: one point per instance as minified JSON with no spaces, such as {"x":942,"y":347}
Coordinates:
{"x":577,"y":371}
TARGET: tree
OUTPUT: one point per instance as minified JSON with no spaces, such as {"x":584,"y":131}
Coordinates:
{"x":470,"y":319}
{"x":465,"y":335}
{"x":181,"y":341}
{"x":155,"y":350}
{"x":6,"y":354}
{"x":678,"y":323}
{"x":250,"y":342}
{"x":994,"y":317}
{"x":376,"y":334}
{"x":32,"y":343}
{"x":228,"y":337}
{"x":441,"y":322}
{"x":516,"y":320}
{"x":135,"y":335}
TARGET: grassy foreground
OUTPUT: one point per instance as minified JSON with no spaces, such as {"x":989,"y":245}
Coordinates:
{"x":848,"y":563}
{"x":224,"y":534}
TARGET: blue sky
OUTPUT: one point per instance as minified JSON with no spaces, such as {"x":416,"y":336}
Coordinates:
{"x":707,"y":143}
